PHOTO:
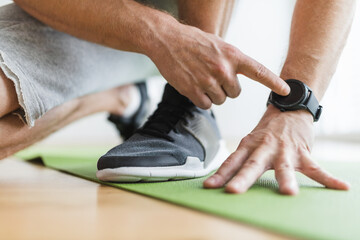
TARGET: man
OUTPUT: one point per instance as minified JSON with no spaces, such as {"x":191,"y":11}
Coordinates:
{"x":180,"y":139}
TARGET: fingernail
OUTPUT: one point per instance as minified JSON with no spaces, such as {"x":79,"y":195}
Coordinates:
{"x":237,"y":186}
{"x":210,"y":181}
{"x":234,"y":188}
{"x":287,"y":88}
{"x":348,"y":185}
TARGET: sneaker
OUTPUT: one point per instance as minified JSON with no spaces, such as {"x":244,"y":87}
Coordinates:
{"x":179,"y":141}
{"x":128,"y":125}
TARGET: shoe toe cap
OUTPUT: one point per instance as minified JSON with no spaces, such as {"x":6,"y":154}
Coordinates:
{"x":113,"y":161}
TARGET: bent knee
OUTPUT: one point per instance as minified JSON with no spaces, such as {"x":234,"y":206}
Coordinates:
{"x":8,"y":97}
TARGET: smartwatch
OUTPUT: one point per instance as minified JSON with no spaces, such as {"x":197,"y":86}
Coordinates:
{"x":300,"y":97}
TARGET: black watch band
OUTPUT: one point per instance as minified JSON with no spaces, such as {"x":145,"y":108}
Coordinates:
{"x":301,"y":97}
{"x":313,"y":106}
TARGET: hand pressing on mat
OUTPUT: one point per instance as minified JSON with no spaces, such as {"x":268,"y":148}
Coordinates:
{"x":281,"y":141}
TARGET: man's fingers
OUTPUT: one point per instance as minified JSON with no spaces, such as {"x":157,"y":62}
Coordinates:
{"x":216,"y":94}
{"x":285,"y":175}
{"x":313,"y":171}
{"x":199,"y":99}
{"x":258,"y":72}
{"x":232,"y":88}
{"x":227,"y":169}
{"x":249,"y":172}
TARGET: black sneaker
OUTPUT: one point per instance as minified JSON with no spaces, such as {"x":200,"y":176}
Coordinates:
{"x":127,"y":126}
{"x":178,"y":141}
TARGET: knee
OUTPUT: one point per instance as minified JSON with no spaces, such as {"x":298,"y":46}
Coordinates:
{"x":8,"y":97}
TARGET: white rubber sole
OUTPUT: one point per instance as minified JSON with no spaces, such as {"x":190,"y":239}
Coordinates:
{"x":193,"y":168}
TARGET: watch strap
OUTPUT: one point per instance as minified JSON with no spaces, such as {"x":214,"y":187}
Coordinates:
{"x":313,"y":106}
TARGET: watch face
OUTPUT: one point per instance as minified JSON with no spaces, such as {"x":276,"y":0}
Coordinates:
{"x":296,"y":96}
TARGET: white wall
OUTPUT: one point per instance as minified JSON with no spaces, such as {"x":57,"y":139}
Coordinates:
{"x":3,"y":2}
{"x":342,"y":100}
{"x":260,"y":29}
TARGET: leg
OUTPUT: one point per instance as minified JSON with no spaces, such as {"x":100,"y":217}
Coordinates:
{"x":65,"y":68}
{"x":9,"y":101}
{"x":21,"y":136}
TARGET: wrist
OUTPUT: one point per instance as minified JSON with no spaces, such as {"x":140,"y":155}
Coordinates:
{"x":271,"y":111}
{"x":312,"y":75}
{"x":159,"y":33}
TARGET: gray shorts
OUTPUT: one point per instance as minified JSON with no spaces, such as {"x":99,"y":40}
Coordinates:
{"x":49,"y":67}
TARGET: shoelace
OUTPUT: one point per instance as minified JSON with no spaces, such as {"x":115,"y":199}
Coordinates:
{"x":164,"y":119}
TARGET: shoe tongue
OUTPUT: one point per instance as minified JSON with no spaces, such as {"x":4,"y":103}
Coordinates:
{"x":170,"y":110}
{"x":171,"y":95}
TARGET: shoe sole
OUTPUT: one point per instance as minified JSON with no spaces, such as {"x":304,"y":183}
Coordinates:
{"x":193,"y":168}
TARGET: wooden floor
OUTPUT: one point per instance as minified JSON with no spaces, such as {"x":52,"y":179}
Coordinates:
{"x":40,"y":203}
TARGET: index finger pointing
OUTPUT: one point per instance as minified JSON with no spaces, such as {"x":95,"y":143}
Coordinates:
{"x":258,"y":72}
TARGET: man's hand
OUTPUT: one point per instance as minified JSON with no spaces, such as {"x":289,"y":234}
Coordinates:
{"x":281,"y":141}
{"x":198,"y":64}
{"x":203,"y":67}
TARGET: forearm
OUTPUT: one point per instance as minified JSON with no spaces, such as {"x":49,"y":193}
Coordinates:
{"x":121,"y":24}
{"x":318,"y":34}
{"x":283,"y":140}
{"x":210,"y":16}
{"x":198,"y":64}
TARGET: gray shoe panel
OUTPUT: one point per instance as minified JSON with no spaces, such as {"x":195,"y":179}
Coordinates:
{"x":142,"y":150}
{"x":136,"y":161}
{"x":198,"y":136}
{"x":203,"y":127}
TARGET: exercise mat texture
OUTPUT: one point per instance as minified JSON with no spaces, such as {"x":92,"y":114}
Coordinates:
{"x":316,"y":213}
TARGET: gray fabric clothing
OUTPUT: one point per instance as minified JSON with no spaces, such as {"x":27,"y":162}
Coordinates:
{"x":49,"y":68}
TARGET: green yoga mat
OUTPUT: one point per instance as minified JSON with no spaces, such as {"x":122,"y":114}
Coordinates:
{"x":316,"y":213}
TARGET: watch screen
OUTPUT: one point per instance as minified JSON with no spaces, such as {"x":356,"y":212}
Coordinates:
{"x":296,"y":94}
